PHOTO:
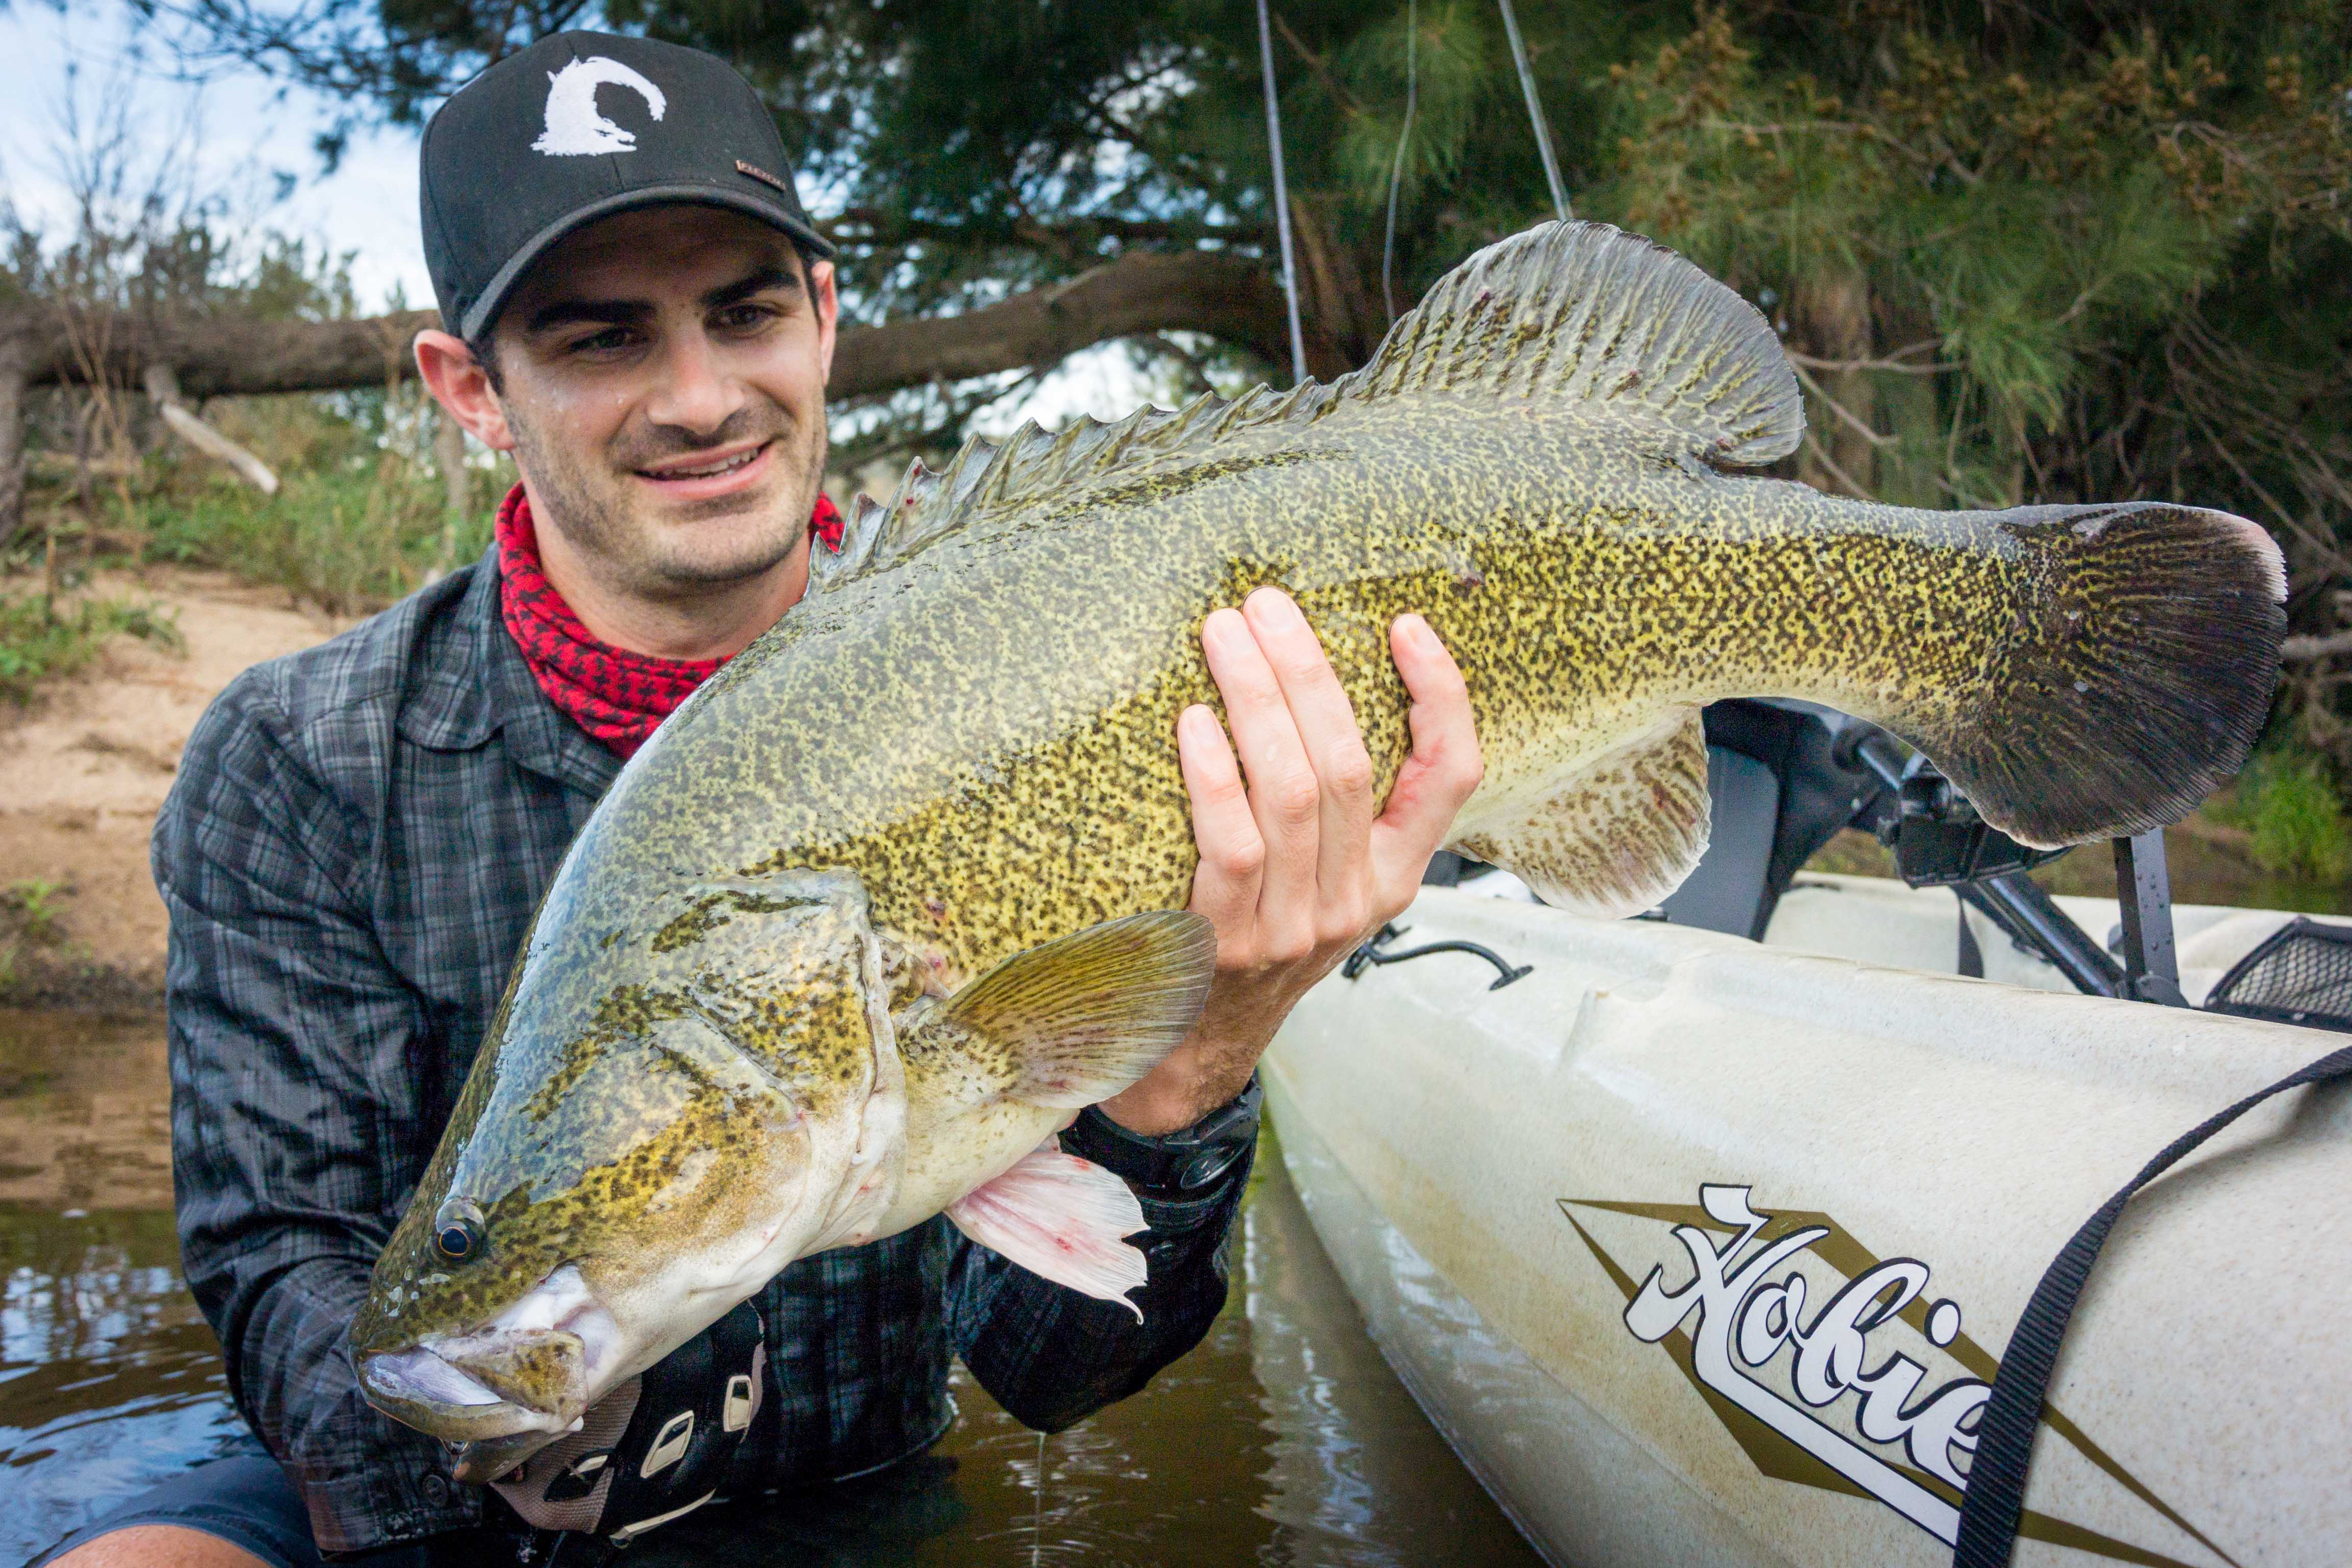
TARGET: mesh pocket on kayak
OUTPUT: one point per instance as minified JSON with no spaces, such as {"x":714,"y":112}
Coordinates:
{"x":2302,"y":973}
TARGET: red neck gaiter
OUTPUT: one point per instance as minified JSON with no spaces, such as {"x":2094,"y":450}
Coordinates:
{"x":615,"y":695}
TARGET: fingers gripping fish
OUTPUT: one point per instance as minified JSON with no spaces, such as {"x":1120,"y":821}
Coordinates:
{"x":893,"y":894}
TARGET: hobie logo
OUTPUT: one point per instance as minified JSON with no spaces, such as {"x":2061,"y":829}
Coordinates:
{"x":575,"y":128}
{"x":1735,"y":1297}
{"x":1814,"y":1354}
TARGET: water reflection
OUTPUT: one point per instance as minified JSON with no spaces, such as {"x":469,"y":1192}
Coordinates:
{"x":1357,"y":1469}
{"x":109,"y":1381}
{"x":1282,"y":1440}
{"x":85,"y":1111}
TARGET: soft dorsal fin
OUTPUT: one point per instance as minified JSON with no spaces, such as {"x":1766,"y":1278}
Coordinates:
{"x":1613,"y":836}
{"x":1577,"y":313}
{"x":1588,"y":312}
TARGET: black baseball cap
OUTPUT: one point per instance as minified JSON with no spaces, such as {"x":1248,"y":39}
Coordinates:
{"x":578,"y":126}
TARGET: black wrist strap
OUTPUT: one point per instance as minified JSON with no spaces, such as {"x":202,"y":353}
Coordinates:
{"x":1994,"y":1504}
{"x":1181,"y":1164}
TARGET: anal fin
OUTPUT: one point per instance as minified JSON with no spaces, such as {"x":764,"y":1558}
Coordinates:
{"x":1062,"y":1218}
{"x":1616,"y":835}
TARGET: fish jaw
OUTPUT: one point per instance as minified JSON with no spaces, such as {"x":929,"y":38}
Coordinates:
{"x":536,"y":1367}
{"x":417,"y":1388}
{"x":539,"y":1366}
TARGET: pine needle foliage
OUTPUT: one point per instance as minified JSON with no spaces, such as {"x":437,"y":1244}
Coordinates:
{"x":2022,"y":249}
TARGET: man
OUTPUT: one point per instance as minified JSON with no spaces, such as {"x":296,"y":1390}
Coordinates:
{"x":644,"y":319}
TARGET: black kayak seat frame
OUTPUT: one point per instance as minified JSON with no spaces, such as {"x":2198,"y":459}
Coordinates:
{"x":1812,"y":772}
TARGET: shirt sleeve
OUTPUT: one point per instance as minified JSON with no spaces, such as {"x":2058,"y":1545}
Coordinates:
{"x":1051,"y":1356}
{"x":296,"y":1111}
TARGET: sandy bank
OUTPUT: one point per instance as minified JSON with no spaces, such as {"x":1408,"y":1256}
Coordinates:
{"x":84,"y":769}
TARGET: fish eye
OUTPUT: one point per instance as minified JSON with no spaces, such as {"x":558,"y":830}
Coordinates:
{"x":457,"y":1229}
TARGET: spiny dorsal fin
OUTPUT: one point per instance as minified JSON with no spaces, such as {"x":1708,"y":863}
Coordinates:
{"x":1589,"y":313}
{"x":861,"y":531}
{"x":1576,"y":312}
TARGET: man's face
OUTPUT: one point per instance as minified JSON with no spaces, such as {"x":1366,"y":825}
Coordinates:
{"x":662,"y":379}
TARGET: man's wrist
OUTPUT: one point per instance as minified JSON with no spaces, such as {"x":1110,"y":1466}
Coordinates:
{"x":1187,"y":1162}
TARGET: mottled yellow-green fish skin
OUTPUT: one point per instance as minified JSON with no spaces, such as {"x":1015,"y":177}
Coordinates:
{"x":961,"y":743}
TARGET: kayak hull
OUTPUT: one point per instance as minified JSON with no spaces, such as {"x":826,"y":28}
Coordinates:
{"x":1702,"y":1252}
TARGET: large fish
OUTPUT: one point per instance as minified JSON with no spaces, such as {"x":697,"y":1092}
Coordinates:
{"x":894,"y":893}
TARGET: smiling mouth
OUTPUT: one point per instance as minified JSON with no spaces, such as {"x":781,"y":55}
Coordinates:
{"x":710,"y":470}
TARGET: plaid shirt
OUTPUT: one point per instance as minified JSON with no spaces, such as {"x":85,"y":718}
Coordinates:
{"x":350,"y":855}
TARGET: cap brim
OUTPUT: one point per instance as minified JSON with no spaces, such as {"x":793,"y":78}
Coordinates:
{"x":493,"y":297}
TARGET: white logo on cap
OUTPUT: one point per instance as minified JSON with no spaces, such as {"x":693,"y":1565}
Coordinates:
{"x":573,"y":126}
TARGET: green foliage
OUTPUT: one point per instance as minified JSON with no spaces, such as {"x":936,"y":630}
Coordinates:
{"x":1452,"y":81}
{"x":41,"y":638}
{"x":2022,"y":252}
{"x":2027,"y":202}
{"x":361,"y":516}
{"x":36,"y":904}
{"x":2033,"y":195}
{"x":2293,"y":809}
{"x":341,"y":540}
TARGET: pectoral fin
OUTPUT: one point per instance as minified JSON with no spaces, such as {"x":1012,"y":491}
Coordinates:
{"x":1062,"y":1218}
{"x":1068,"y":1024}
{"x":1615,"y":836}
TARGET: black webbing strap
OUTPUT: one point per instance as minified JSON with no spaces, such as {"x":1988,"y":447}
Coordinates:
{"x":1994,"y":1502}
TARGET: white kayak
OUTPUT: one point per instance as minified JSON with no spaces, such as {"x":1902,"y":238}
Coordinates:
{"x":1704,"y":1252}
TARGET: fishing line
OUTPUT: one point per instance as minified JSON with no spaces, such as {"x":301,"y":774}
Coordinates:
{"x":1404,"y":134}
{"x":1037,"y":1513}
{"x":1281,"y":196}
{"x":1535,"y":109}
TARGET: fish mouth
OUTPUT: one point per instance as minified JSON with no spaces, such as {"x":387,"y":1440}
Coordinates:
{"x":535,"y":1368}
{"x":418,"y":1387}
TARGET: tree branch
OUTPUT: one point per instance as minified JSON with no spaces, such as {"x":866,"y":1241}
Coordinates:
{"x":2307,"y":649}
{"x":870,"y":225}
{"x":1142,"y":292}
{"x":1225,"y":296}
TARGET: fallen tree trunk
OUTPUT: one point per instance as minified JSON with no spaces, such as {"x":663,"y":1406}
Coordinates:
{"x":1225,"y":296}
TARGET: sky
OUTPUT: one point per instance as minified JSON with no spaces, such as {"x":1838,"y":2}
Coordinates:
{"x":252,"y":128}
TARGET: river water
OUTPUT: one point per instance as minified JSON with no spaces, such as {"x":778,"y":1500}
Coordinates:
{"x":1281,"y":1439}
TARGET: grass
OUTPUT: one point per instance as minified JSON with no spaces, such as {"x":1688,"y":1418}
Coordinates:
{"x":348,"y":542}
{"x":36,"y":903}
{"x":29,"y":912}
{"x":42,"y":639}
{"x":360,"y":518}
{"x":2290,"y":806}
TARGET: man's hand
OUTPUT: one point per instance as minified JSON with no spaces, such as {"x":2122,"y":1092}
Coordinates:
{"x":1296,"y":870}
{"x":654,"y":1447}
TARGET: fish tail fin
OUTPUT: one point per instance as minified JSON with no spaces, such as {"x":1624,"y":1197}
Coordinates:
{"x":2134,"y":684}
